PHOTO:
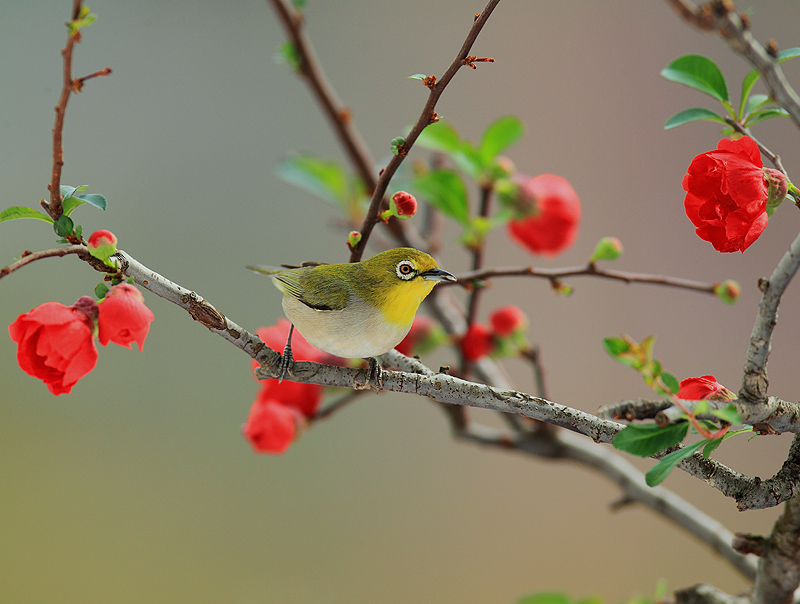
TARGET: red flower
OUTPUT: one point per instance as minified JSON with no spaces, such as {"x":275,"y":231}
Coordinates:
{"x":705,"y":387}
{"x":271,"y":427}
{"x":55,"y":343}
{"x":507,"y":320}
{"x":550,"y":212}
{"x":726,"y":195}
{"x":123,"y":317}
{"x":477,"y":342}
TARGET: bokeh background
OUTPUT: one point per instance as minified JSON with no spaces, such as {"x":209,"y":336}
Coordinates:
{"x":139,"y":487}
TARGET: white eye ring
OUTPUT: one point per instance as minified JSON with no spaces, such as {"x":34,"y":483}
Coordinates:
{"x":405,"y":270}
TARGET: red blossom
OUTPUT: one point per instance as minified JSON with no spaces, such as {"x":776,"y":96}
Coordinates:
{"x":726,"y":195}
{"x":477,"y":342}
{"x":271,"y":427}
{"x":123,"y":317}
{"x":549,"y":214}
{"x":55,"y":343}
{"x":507,"y":320}
{"x":704,"y":388}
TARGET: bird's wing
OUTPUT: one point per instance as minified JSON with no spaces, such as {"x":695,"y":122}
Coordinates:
{"x":316,"y":287}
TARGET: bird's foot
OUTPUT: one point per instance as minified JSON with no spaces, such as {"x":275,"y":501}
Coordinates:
{"x":374,"y":374}
{"x":287,"y":359}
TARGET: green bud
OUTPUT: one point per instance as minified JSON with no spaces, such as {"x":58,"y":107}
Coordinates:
{"x":778,"y":188}
{"x":608,"y":248}
{"x":728,"y":291}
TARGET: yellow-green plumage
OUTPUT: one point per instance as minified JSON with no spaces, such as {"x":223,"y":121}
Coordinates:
{"x":358,"y":309}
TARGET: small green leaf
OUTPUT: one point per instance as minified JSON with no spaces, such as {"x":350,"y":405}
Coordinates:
{"x":499,"y":136}
{"x":752,"y":77}
{"x":698,"y":72}
{"x":765,"y":114}
{"x":446,"y":191}
{"x":671,"y":382}
{"x":728,"y":414}
{"x":17,"y":212}
{"x":754,"y":102}
{"x":645,"y":440}
{"x":616,"y":346}
{"x":326,"y":179}
{"x":396,"y":143}
{"x":288,"y":55}
{"x":417,"y":76}
{"x":68,"y":204}
{"x":713,"y":444}
{"x":299,"y":4}
{"x":63,"y":226}
{"x":659,"y":472}
{"x":100,"y":290}
{"x":95,"y":200}
{"x":692,"y":115}
{"x":78,"y":231}
{"x":68,"y":191}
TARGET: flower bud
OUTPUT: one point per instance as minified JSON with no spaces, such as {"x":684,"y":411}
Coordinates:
{"x":477,"y":342}
{"x":728,"y":291}
{"x":778,"y":187}
{"x":102,"y":245}
{"x":353,"y":239}
{"x":508,"y":320}
{"x":608,"y":248}
{"x":403,"y":205}
{"x":124,"y":318}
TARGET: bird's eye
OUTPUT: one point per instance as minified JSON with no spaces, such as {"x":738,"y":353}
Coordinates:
{"x":405,"y":270}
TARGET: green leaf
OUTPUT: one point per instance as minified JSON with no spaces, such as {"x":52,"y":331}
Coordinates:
{"x":752,"y":77}
{"x":288,"y":55}
{"x":68,"y":191}
{"x":616,"y":346}
{"x":698,"y":72}
{"x":440,"y":136}
{"x":754,"y":102}
{"x":671,"y":382}
{"x":659,"y":472}
{"x":68,"y":204}
{"x":713,"y":444}
{"x":17,"y":212}
{"x":63,"y":226}
{"x":446,"y":191}
{"x":728,"y":414}
{"x":100,"y":290}
{"x":325,"y":179}
{"x":417,"y":76}
{"x":765,"y":114}
{"x":95,"y":200}
{"x":545,"y":598}
{"x":499,"y":136}
{"x":645,"y":440}
{"x":692,"y":115}
{"x":78,"y":231}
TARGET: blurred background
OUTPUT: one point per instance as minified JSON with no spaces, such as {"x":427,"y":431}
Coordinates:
{"x":138,"y":486}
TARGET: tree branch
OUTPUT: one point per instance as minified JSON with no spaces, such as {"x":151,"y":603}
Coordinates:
{"x":28,"y":257}
{"x":555,"y":275}
{"x":779,"y":565}
{"x":719,"y":15}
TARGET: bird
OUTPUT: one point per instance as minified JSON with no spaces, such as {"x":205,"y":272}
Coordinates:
{"x":355,"y":309}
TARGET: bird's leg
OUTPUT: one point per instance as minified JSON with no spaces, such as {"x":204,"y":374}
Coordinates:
{"x":287,"y":360}
{"x":375,"y":373}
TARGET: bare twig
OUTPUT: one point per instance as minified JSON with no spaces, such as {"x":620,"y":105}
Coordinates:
{"x":52,"y":253}
{"x":427,"y":117}
{"x":554,"y":275}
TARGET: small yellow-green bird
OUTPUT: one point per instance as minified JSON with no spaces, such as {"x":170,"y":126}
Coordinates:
{"x":356,"y":310}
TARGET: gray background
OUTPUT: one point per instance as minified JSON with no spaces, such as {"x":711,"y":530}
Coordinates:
{"x":138,"y":486}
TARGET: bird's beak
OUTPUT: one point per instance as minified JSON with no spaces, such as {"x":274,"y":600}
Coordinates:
{"x":437,"y":274}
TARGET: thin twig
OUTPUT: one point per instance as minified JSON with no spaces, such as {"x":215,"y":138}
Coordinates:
{"x":427,"y":117}
{"x":34,"y":256}
{"x":54,"y":207}
{"x":589,"y":270}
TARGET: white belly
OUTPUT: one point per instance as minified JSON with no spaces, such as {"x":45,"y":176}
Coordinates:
{"x":357,"y":332}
